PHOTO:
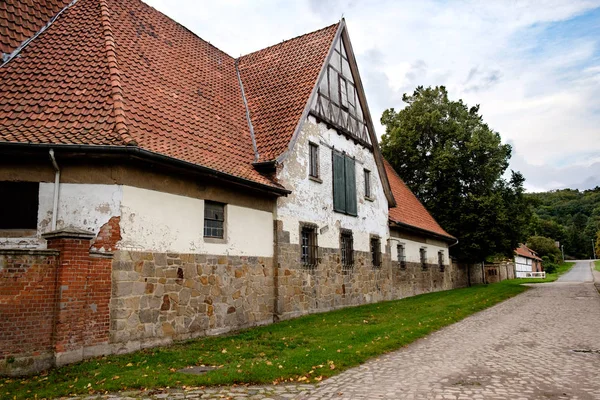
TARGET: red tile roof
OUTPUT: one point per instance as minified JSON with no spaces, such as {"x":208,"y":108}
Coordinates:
{"x":409,"y":210}
{"x":525,"y":251}
{"x":109,"y":72}
{"x":278,"y":81}
{"x":20,"y":20}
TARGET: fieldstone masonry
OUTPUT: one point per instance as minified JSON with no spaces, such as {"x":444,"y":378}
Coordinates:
{"x":327,"y":286}
{"x":159,"y":297}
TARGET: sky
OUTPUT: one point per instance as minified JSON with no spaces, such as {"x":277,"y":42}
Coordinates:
{"x":532,"y":66}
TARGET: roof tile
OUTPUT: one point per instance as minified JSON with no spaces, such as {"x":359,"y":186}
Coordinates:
{"x":409,"y":210}
{"x":278,"y":81}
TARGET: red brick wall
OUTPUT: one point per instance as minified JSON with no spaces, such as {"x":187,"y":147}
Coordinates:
{"x":55,"y":301}
{"x":27,"y":302}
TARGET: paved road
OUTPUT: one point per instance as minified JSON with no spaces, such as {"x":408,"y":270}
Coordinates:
{"x":542,"y":344}
{"x":581,"y":272}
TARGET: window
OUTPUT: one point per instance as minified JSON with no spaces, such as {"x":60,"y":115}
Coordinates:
{"x":423,"y":253}
{"x":376,"y":252}
{"x":347,"y":247}
{"x":344,"y":184}
{"x":441,"y":260}
{"x":313,"y":167}
{"x":367,"y":183}
{"x":308,"y":246}
{"x":19,"y":205}
{"x":401,"y":255}
{"x":214,"y":219}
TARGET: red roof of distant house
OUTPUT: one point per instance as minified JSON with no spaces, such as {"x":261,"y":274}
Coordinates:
{"x":120,"y":73}
{"x":409,"y":210}
{"x":525,"y":251}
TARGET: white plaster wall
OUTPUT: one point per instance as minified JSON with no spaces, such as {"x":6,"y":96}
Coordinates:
{"x":82,"y":206}
{"x":311,"y":201}
{"x":523,"y":264}
{"x":162,"y":222}
{"x":412,"y":250}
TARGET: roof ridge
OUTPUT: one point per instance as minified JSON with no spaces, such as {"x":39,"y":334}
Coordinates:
{"x":115,"y":78}
{"x":290,"y":39}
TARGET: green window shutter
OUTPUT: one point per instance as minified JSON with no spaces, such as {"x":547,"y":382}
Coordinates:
{"x":339,"y":194}
{"x":350,"y":186}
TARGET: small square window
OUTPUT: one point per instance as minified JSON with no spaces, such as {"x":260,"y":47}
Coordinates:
{"x":401,"y":256}
{"x":376,"y":252}
{"x":347,"y":248}
{"x":214,"y":219}
{"x":441,"y":260}
{"x":308,"y":246}
{"x":313,"y":160}
{"x":367,"y":183}
{"x":19,"y":205}
{"x":423,"y":254}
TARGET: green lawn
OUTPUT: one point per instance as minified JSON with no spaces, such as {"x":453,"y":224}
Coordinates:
{"x":597,"y":265}
{"x":305,"y":349}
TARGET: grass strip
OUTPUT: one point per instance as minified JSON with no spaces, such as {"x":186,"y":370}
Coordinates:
{"x":306,"y":349}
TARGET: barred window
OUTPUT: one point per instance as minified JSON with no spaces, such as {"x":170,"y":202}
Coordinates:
{"x":214,"y":219}
{"x":401,"y":255}
{"x":441,"y":260}
{"x":313,"y":151}
{"x":308,"y":246}
{"x":423,"y":253}
{"x":376,"y":252}
{"x":347,"y":247}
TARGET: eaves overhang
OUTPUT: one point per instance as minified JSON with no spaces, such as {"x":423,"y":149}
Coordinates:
{"x":144,"y":155}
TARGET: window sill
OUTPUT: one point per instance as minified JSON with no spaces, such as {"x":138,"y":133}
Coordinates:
{"x":315,"y":179}
{"x":345,"y":213}
{"x":215,"y":240}
{"x":18,"y":233}
{"x":369,"y":198}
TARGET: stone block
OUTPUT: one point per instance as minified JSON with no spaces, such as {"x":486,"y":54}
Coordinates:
{"x":121,"y":289}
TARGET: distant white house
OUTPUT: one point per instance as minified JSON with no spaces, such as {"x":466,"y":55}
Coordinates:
{"x":526,"y":261}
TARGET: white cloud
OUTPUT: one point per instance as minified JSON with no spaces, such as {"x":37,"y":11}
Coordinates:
{"x":539,"y":91}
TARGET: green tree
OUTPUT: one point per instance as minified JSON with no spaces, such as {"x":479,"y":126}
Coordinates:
{"x":454,"y":164}
{"x":545,"y":247}
{"x":569,"y":216}
{"x":597,"y":248}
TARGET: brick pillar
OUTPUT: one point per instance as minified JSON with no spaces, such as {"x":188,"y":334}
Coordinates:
{"x":73,"y":285}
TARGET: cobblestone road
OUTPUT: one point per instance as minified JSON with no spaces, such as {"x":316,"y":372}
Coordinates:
{"x":543,"y":344}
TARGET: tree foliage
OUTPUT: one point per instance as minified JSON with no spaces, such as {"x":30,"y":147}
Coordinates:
{"x":545,"y":247}
{"x":569,"y":216}
{"x":454,"y":164}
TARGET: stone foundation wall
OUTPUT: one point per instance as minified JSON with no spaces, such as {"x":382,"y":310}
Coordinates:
{"x":328,"y":286}
{"x":160,"y":297}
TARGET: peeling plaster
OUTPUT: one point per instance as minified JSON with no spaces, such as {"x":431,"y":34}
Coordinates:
{"x":311,"y":201}
{"x":163,"y":222}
